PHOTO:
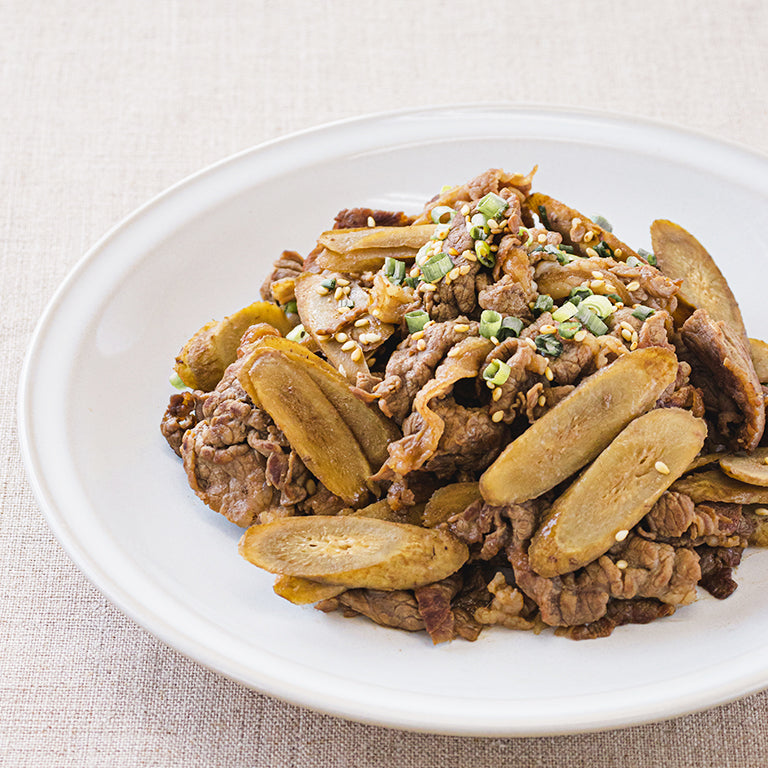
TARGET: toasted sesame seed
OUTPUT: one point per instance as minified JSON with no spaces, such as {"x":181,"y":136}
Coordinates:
{"x":376,"y":312}
{"x":442,"y":234}
{"x":339,"y":294}
{"x":494,"y":340}
{"x":760,"y":511}
{"x":371,"y":221}
{"x":498,"y":416}
{"x":429,"y":323}
{"x":633,"y":286}
{"x":542,"y":238}
{"x":661,"y":468}
{"x":322,"y":336}
{"x":579,"y":335}
{"x":542,"y":401}
{"x":619,"y":304}
{"x":589,"y":237}
{"x":418,"y":335}
{"x":494,"y":248}
{"x":548,"y":329}
{"x":341,"y":337}
{"x":621,"y":564}
{"x":461,"y":327}
{"x":428,"y":287}
{"x":548,"y":375}
{"x":348,"y":345}
{"x":342,"y":370}
{"x":626,"y":326}
{"x":454,"y":273}
{"x":765,"y":460}
{"x":595,"y":284}
{"x":497,"y":394}
{"x":322,"y":290}
{"x":627,"y":335}
{"x":493,"y":224}
{"x":621,"y":535}
{"x":633,"y":346}
{"x":311,"y":486}
{"x":341,"y":281}
{"x":490,"y":385}
{"x":374,"y":338}
{"x":464,"y":269}
{"x":362,"y":322}
{"x":634,"y":336}
{"x":357,"y":355}
{"x":531,"y":343}
{"x":453,"y":252}
{"x":422,"y":345}
{"x":618,"y":253}
{"x":597,"y":274}
{"x":591,"y":251}
{"x":469,"y":256}
{"x":447,"y":280}
{"x":453,"y":352}
{"x":465,"y":210}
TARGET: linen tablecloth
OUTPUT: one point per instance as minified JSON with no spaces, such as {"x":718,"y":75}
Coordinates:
{"x":106,"y":104}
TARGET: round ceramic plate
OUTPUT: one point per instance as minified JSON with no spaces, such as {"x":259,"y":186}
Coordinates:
{"x":95,"y":385}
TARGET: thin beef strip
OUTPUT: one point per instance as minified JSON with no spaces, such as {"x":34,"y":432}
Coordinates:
{"x":397,"y":609}
{"x":356,"y":218}
{"x":617,"y":614}
{"x":434,"y":601}
{"x":717,"y":564}
{"x":290,"y":264}
{"x":180,"y":415}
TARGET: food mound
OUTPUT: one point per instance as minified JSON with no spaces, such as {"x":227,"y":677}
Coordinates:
{"x":495,"y":412}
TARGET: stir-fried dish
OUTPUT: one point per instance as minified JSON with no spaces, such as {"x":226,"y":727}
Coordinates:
{"x":493,"y":413}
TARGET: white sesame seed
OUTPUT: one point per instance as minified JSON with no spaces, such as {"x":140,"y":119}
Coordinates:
{"x":621,"y":564}
{"x":531,"y":343}
{"x":633,"y":346}
{"x":618,"y":253}
{"x":374,"y":338}
{"x":548,"y":374}
{"x":490,"y":385}
{"x":595,"y":284}
{"x":357,"y":355}
{"x":342,"y":371}
{"x":341,"y":337}
{"x":414,"y":272}
{"x":661,"y":468}
{"x":597,"y":274}
{"x":498,"y":416}
{"x":371,"y":221}
{"x":453,"y":252}
{"x":760,"y":511}
{"x":422,"y":345}
{"x":633,"y":286}
{"x":418,"y":335}
{"x":626,"y":326}
{"x":627,"y":335}
{"x":494,"y":340}
{"x":454,"y":273}
{"x":453,"y":352}
{"x":428,"y":287}
{"x":542,"y":238}
{"x":542,"y":401}
{"x":591,"y":251}
{"x":322,"y":290}
{"x":339,"y":294}
{"x":348,"y":345}
{"x":493,"y":224}
{"x":548,"y":329}
{"x":465,"y":210}
{"x":362,"y":322}
{"x":621,"y":535}
{"x":461,"y":327}
{"x":464,"y":269}
{"x":497,"y":394}
{"x":322,"y":336}
{"x":469,"y":256}
{"x":342,"y":281}
{"x":589,"y":237}
{"x":579,"y":335}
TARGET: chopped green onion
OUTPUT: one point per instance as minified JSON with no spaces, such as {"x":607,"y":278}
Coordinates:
{"x":648,"y":256}
{"x":600,"y":305}
{"x":603,"y":250}
{"x":567,"y":248}
{"x":564,"y":258}
{"x":568,"y":329}
{"x":297,"y":334}
{"x":602,"y":222}
{"x":416,"y":320}
{"x":346,"y":304}
{"x":421,"y":255}
{"x":543,"y":304}
{"x":497,"y":372}
{"x":291,"y":308}
{"x":477,"y":233}
{"x":411,"y":282}
{"x":613,"y":296}
{"x":543,"y":216}
{"x":439,"y":212}
{"x":566,"y":312}
{"x":510,"y":326}
{"x":176,"y":381}
{"x":528,"y":234}
{"x":578,"y":293}
{"x":483,"y":253}
{"x":389,"y":266}
{"x":436,"y":267}
{"x":633,"y":261}
{"x":329,"y":284}
{"x":479,"y":220}
{"x":492,"y":205}
{"x":548,"y":344}
{"x":490,"y":323}
{"x":643,"y":313}
{"x":592,"y":322}
{"x":394,"y":270}
{"x":441,"y":232}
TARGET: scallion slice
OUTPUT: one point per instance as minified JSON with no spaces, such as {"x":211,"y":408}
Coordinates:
{"x":543,"y":217}
{"x":613,"y":297}
{"x":633,"y":261}
{"x":490,"y":323}
{"x":394,"y":270}
{"x":439,"y":213}
{"x":528,"y":235}
{"x":578,"y":293}
{"x":329,"y":284}
{"x":648,"y":256}
{"x":497,"y":372}
{"x":297,"y":334}
{"x":176,"y":381}
{"x":544,"y":303}
{"x":643,"y":313}
{"x":568,"y":329}
{"x":416,"y":320}
{"x":411,"y":282}
{"x":290,"y":308}
{"x":548,"y":344}
{"x":600,"y":305}
{"x":441,"y":232}
{"x":477,"y":233}
{"x":510,"y":326}
{"x":436,"y":267}
{"x":602,"y":222}
{"x":346,"y":304}
{"x":483,"y":253}
{"x":566,"y":312}
{"x":591,"y":321}
{"x":492,"y":205}
{"x":603,"y":250}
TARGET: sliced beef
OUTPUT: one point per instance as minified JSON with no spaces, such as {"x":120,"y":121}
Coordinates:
{"x":717,"y":564}
{"x":434,"y":602}
{"x":397,"y":609}
{"x":726,"y":355}
{"x":514,"y":287}
{"x":356,"y":218}
{"x":180,"y":415}
{"x":290,"y":264}
{"x":671,"y":516}
{"x":507,"y":607}
{"x":618,"y":613}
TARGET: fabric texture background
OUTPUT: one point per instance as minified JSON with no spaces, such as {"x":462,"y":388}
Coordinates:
{"x":106,"y":104}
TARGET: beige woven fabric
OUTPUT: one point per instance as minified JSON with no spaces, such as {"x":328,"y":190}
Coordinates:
{"x":105,"y":104}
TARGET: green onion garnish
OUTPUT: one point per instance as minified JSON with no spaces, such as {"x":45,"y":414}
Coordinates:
{"x":421,"y":254}
{"x":297,"y":334}
{"x":416,"y":320}
{"x":497,"y":372}
{"x":648,"y":256}
{"x":578,"y":293}
{"x":441,"y":232}
{"x":346,"y":304}
{"x":477,"y":233}
{"x":329,"y":284}
{"x":490,"y":323}
{"x":548,"y":344}
{"x":528,"y":234}
{"x":603,"y":250}
{"x":602,"y":222}
{"x":411,"y":282}
{"x":394,"y":270}
{"x":176,"y":381}
{"x":543,"y":216}
{"x":613,"y":296}
{"x":567,"y":248}
{"x":591,"y":321}
{"x":290,"y":308}
{"x":643,"y":313}
{"x":566,"y":312}
{"x":633,"y":261}
{"x":568,"y":329}
{"x":436,"y":267}
{"x":543,"y":303}
{"x":600,"y":305}
{"x":483,"y":253}
{"x":492,"y":205}
{"x":439,"y":212}
{"x":564,"y":258}
{"x":510,"y":326}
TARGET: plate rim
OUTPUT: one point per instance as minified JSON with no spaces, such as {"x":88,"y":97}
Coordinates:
{"x":203,"y":654}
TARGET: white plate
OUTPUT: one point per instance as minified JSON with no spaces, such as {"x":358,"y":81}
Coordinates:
{"x":94,"y":387}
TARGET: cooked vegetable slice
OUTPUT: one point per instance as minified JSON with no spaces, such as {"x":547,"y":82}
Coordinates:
{"x":350,"y":240}
{"x":304,"y":591}
{"x":617,"y":490}
{"x":313,"y":427}
{"x":714,"y":485}
{"x":704,"y":460}
{"x":751,"y":468}
{"x":759,"y":516}
{"x":759,"y":352}
{"x":449,"y":500}
{"x":575,"y":431}
{"x":355,"y":552}
{"x":203,"y":359}
{"x":682,"y":257}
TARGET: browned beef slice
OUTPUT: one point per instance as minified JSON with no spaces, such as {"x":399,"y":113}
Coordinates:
{"x":397,"y":608}
{"x":410,"y":368}
{"x":655,"y":289}
{"x":655,"y":331}
{"x":506,"y":296}
{"x":434,"y":601}
{"x":355,"y":218}
{"x":618,"y":613}
{"x":179,"y":416}
{"x":717,"y":564}
{"x":474,"y":594}
{"x":289,"y":264}
{"x":725,"y":353}
{"x":469,"y":443}
{"x":672,"y":515}
{"x":576,"y":359}
{"x":322,"y":502}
